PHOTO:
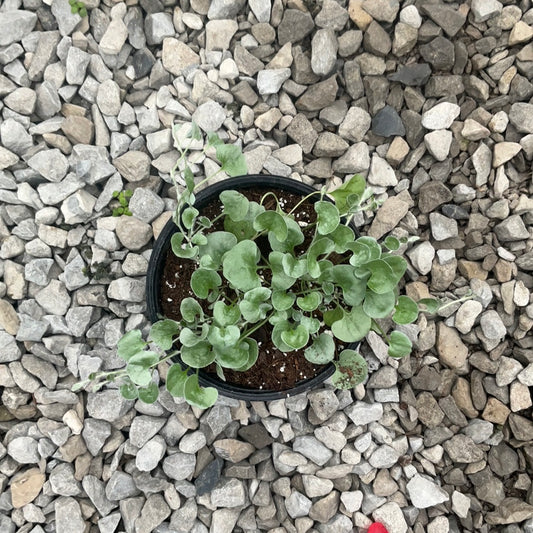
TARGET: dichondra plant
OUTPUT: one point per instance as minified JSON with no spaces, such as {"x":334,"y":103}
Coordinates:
{"x":335,"y":291}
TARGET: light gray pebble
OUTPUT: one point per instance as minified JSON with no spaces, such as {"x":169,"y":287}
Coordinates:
{"x":51,"y":164}
{"x":78,"y":207}
{"x":95,"y":489}
{"x":297,"y":505}
{"x":229,"y":493}
{"x":438,"y":143}
{"x":270,"y":81}
{"x":127,"y":290}
{"x":422,"y":256}
{"x":157,"y":26}
{"x":492,"y":325}
{"x":108,"y":98}
{"x":68,"y":515}
{"x":441,"y":116}
{"x":442,"y":227}
{"x":23,"y":450}
{"x":192,"y":442}
{"x":54,"y":298}
{"x":424,"y":493}
{"x":107,"y":405}
{"x":63,"y":482}
{"x":150,"y":454}
{"x":95,"y":433}
{"x":362,"y":413}
{"x":467,"y":314}
{"x":146,"y":205}
{"x":121,"y":486}
{"x":31,"y":329}
{"x":143,"y":428}
{"x":478,"y":430}
{"x":313,"y":449}
{"x":384,"y":457}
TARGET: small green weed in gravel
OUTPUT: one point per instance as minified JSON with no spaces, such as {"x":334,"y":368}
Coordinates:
{"x":78,"y":7}
{"x":123,"y":198}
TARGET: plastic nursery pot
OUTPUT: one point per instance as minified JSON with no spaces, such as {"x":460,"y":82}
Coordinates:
{"x":155,"y":272}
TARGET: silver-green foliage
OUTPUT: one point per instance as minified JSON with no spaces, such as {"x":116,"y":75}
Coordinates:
{"x":337,"y":288}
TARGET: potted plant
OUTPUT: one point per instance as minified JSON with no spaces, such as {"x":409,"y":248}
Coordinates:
{"x":259,"y":287}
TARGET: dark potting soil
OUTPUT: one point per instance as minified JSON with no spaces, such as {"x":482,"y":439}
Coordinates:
{"x":274,"y":370}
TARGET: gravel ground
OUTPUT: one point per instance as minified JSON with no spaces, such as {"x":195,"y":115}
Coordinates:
{"x":430,"y":100}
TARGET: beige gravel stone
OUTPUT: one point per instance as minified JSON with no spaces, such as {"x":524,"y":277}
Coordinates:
{"x":9,"y":319}
{"x":520,"y":397}
{"x":233,"y":450}
{"x":452,"y":351}
{"x":358,"y":15}
{"x":474,"y":131}
{"x":177,"y":56}
{"x":26,"y":486}
{"x":495,"y":411}
{"x":463,"y":398}
{"x":521,"y":33}
{"x":504,"y":152}
{"x":133,"y":165}
{"x":388,"y":216}
{"x":7,"y":158}
{"x":397,"y":151}
{"x":114,"y":37}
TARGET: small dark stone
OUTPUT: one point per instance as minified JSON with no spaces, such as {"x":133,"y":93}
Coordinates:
{"x":387,"y":122}
{"x":521,"y":88}
{"x":486,"y":45}
{"x":440,"y":52}
{"x":454,"y":414}
{"x":137,"y":98}
{"x":159,"y":76}
{"x":294,"y":26}
{"x":134,"y":21}
{"x":461,"y":57}
{"x":152,"y":6}
{"x":492,"y":388}
{"x":428,"y":31}
{"x":318,"y":96}
{"x":438,"y":435}
{"x":377,"y":40}
{"x":244,"y":93}
{"x":525,"y":261}
{"x":441,"y":170}
{"x":99,"y":21}
{"x":47,"y":20}
{"x":209,"y":477}
{"x":448,"y":18}
{"x":412,"y":75}
{"x":439,"y":86}
{"x":143,"y":61}
{"x":427,"y":379}
{"x":302,"y":72}
{"x":455,"y":211}
{"x":413,"y":124}
{"x":377,"y":90}
{"x":352,"y":80}
{"x":257,"y":435}
{"x":521,"y":427}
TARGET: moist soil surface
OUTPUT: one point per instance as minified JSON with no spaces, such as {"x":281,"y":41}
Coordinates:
{"x":274,"y":370}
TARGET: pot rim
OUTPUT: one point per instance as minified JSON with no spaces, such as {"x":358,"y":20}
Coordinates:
{"x":157,"y":261}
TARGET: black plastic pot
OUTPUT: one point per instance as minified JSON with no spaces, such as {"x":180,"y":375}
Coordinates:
{"x":155,"y":272}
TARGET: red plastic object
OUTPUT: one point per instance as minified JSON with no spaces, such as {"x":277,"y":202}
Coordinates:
{"x":377,"y":528}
